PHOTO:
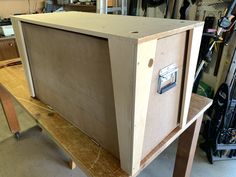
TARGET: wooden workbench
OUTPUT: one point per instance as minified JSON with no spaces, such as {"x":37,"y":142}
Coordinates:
{"x":89,"y":156}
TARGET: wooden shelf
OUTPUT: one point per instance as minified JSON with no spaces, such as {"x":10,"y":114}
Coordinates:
{"x":8,"y":48}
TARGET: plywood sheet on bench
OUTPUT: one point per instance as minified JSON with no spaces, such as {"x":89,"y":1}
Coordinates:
{"x":74,"y":78}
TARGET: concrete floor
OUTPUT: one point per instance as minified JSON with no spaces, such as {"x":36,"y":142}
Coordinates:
{"x":35,"y":155}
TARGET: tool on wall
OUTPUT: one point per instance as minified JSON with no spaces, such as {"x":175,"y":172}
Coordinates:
{"x":225,"y":24}
{"x":133,"y":7}
{"x":154,"y":3}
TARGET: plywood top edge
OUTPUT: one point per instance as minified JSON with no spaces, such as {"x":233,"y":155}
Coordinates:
{"x":207,"y":101}
{"x":106,"y":26}
{"x":198,"y":105}
{"x":166,"y":33}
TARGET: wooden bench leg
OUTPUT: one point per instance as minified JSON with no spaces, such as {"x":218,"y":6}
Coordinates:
{"x":186,"y":149}
{"x":9,"y":110}
{"x":72,"y":165}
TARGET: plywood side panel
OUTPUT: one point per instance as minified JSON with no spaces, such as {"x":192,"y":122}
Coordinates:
{"x":71,"y":73}
{"x":144,"y":67}
{"x":131,"y":74}
{"x":195,"y":36}
{"x":123,"y":58}
{"x":23,"y":54}
{"x":164,"y":109}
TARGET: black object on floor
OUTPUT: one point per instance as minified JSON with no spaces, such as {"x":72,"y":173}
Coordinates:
{"x":220,"y":130}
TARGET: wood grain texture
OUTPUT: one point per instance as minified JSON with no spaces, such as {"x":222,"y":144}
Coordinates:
{"x":13,"y":79}
{"x":186,"y":149}
{"x":159,"y":116}
{"x":25,"y":120}
{"x":88,"y":155}
{"x":130,"y":114}
{"x":9,"y":110}
{"x":79,"y":146}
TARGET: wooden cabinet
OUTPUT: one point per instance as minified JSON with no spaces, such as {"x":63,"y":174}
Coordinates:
{"x":8,"y":49}
{"x":124,"y":81}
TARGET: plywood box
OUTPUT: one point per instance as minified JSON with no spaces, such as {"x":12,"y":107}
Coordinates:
{"x":125,"y":81}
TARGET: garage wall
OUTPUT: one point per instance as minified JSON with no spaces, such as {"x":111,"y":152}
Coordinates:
{"x":199,"y":11}
{"x":10,"y":7}
{"x":159,"y":10}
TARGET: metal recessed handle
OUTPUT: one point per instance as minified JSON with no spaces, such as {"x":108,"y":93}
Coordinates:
{"x":167,"y":78}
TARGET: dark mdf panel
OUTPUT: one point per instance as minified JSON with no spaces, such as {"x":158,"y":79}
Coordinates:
{"x":71,"y":72}
{"x":8,"y":49}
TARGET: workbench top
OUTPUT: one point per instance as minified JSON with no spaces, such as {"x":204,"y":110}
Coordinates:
{"x":89,"y":156}
{"x":6,"y":37}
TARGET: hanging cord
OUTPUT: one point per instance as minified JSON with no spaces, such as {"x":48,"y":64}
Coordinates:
{"x":167,"y":8}
{"x":174,"y":10}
